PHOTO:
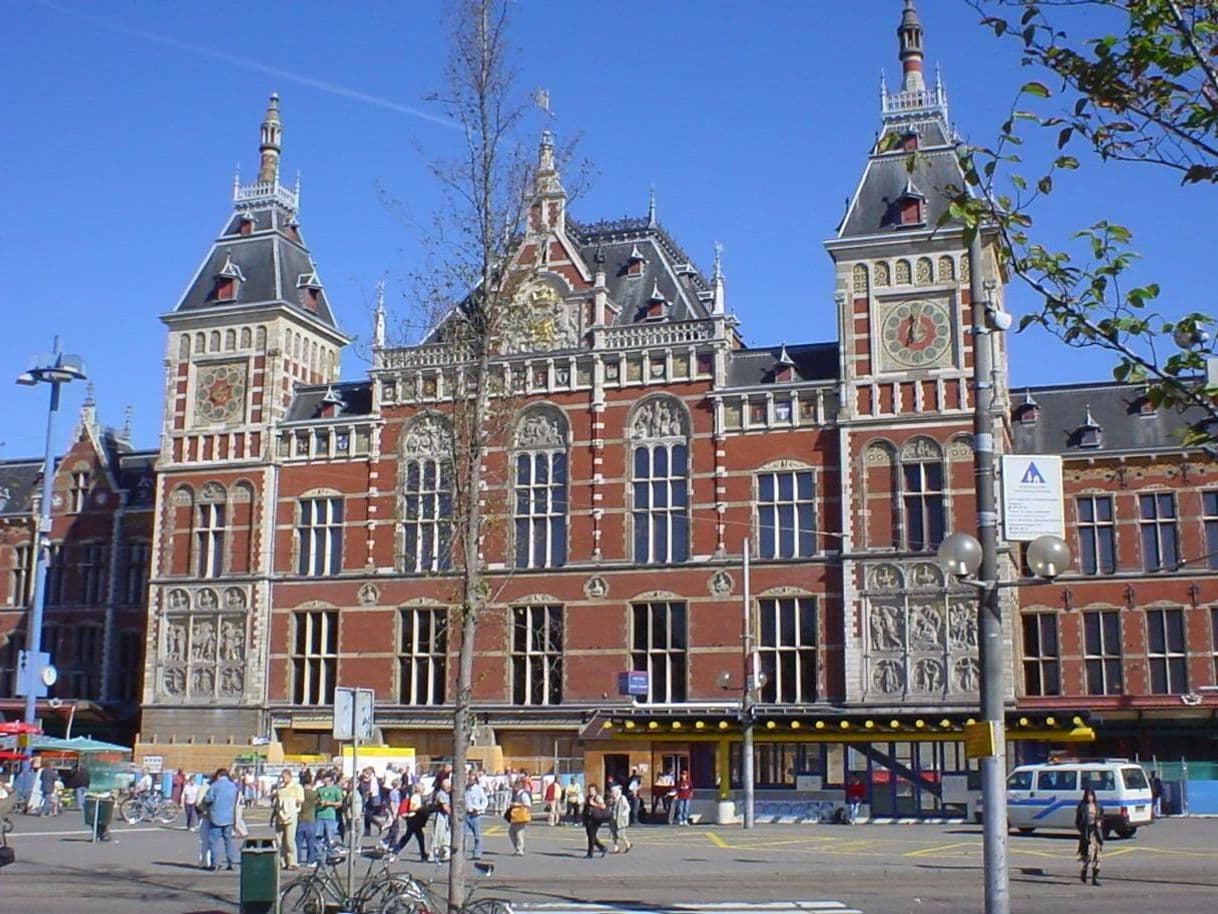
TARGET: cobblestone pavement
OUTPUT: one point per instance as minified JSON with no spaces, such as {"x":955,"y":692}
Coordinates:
{"x":878,"y":869}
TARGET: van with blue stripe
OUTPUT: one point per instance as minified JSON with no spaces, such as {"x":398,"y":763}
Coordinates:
{"x":1045,"y":796}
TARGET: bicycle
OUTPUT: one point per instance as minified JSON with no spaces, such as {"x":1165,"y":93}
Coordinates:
{"x":325,"y":888}
{"x":421,"y":898}
{"x":149,"y":807}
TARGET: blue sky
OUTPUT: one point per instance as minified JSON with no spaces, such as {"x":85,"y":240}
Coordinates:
{"x":123,"y":122}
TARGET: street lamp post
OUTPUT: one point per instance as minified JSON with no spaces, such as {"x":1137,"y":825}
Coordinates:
{"x":55,"y":368}
{"x":975,"y":561}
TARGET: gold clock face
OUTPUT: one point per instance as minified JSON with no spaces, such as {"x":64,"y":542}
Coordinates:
{"x":220,"y":393}
{"x":916,"y":334}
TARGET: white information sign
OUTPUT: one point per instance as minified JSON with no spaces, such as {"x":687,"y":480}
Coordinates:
{"x":353,"y":714}
{"x":1032,"y":496}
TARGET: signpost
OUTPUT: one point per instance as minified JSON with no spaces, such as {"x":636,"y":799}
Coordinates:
{"x":633,"y":682}
{"x":353,"y":718}
{"x":1032,"y":496}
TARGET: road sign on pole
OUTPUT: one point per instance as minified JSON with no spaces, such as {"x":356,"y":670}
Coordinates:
{"x":1032,"y":496}
{"x":353,"y":714}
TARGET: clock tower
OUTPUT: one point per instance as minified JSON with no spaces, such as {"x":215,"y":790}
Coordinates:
{"x":904,"y":321}
{"x":253,"y":323}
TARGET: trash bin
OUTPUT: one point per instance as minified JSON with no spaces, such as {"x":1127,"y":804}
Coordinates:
{"x":259,"y":876}
{"x":99,"y":813}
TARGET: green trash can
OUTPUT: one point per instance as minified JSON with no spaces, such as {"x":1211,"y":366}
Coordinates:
{"x":259,"y":876}
{"x":99,"y":813}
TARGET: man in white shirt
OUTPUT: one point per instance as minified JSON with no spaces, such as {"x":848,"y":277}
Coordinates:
{"x":476,"y":802}
{"x":190,"y":800}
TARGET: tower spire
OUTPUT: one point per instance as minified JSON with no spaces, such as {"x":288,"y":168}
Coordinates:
{"x":909,"y":33}
{"x":719,"y":302}
{"x":651,"y":207}
{"x":378,"y":321}
{"x":271,"y":140}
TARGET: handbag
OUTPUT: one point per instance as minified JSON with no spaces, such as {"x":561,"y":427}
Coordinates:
{"x":520,"y":815}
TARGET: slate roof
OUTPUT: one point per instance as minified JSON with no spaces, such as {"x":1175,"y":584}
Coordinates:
{"x":18,"y":484}
{"x":751,"y":367}
{"x":666,"y":266}
{"x":272,"y":258}
{"x":873,"y":209}
{"x":307,"y":402}
{"x":1115,"y":407}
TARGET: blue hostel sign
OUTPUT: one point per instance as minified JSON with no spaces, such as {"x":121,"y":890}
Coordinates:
{"x":634,"y":682}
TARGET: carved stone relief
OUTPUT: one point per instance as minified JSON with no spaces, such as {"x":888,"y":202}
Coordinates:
{"x":596,"y":588}
{"x":539,"y":430}
{"x":368,"y":595}
{"x":427,"y":437}
{"x":877,"y":455}
{"x":962,"y":627}
{"x":888,"y":677}
{"x":921,"y":449}
{"x":925,"y":628}
{"x":659,"y":418}
{"x":927,"y":675}
{"x":967,"y":674}
{"x":204,"y":656}
{"x":720,"y":584}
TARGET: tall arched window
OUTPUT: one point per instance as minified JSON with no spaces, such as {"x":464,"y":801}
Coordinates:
{"x":427,"y":498}
{"x":922,"y":499}
{"x":211,"y":523}
{"x":540,"y":504}
{"x":660,"y":481}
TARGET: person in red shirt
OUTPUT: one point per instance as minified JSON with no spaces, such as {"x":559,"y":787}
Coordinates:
{"x":855,"y":794}
{"x":685,"y":793}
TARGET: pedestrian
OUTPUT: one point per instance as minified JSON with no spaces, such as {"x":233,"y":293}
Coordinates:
{"x":414,"y":811}
{"x":634,"y":794}
{"x":620,"y":812}
{"x":177,"y":786}
{"x":223,"y":814}
{"x":48,"y":777}
{"x":190,"y":802}
{"x":574,"y":798}
{"x":204,"y":807}
{"x":390,"y":814}
{"x":553,"y":800}
{"x":1089,"y":821}
{"x":144,"y":783}
{"x":519,"y":815}
{"x":285,"y":816}
{"x":1156,"y":794}
{"x":441,"y":820}
{"x":78,"y":781}
{"x":855,"y":794}
{"x":596,"y":814}
{"x":685,"y":793}
{"x":329,"y":805}
{"x":306,"y":822}
{"x":476,"y":803}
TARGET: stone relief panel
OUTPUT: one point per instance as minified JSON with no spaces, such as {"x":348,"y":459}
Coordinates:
{"x":205,"y":645}
{"x":920,"y":635}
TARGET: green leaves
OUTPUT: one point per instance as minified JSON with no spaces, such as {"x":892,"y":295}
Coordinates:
{"x":1037,"y":89}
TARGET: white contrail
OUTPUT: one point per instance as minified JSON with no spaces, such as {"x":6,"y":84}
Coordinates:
{"x":303,"y":80}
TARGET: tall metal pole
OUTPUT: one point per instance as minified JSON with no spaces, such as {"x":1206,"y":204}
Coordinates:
{"x":746,"y":697}
{"x":357,"y":811}
{"x":33,"y":634}
{"x":993,"y":767}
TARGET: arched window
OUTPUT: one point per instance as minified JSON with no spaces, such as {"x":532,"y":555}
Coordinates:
{"x":660,"y":480}
{"x":210,"y":527}
{"x":922,"y":501}
{"x":540,"y":509}
{"x":427,"y":475}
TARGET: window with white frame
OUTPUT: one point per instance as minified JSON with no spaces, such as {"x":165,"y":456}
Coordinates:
{"x":136,"y":584}
{"x":92,"y":570}
{"x":314,"y":656}
{"x":1209,"y":516}
{"x":537,"y":646}
{"x":423,"y":656}
{"x":319,"y":536}
{"x":427,"y":499}
{"x":786,"y":514}
{"x":1160,"y":550}
{"x":1166,"y":652}
{"x":1096,"y":534}
{"x":659,"y":644}
{"x":209,"y":539}
{"x":1041,"y":658}
{"x":786,"y":649}
{"x":21,"y":578}
{"x":660,"y":483}
{"x":922,"y":497}
{"x":78,"y":491}
{"x":1102,"y":651}
{"x":540,"y":491}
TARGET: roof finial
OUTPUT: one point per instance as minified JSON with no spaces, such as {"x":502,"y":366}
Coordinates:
{"x":719,"y":301}
{"x":784,"y":357}
{"x":128,"y":421}
{"x":378,"y":320}
{"x":651,"y":207}
{"x":909,"y":33}
{"x":271,"y":139}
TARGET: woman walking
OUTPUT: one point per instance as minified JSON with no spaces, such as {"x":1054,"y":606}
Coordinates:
{"x":619,"y":819}
{"x":414,"y":812}
{"x":520,"y":814}
{"x":596,"y":814}
{"x":1089,"y":820}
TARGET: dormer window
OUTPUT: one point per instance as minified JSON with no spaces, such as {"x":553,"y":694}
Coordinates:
{"x":784,"y":368}
{"x":1028,"y":412}
{"x":331,"y":404}
{"x":228,"y":280}
{"x":247,"y":224}
{"x":909,"y":141}
{"x":910,"y":207}
{"x":310,"y":289}
{"x":1146,"y":406}
{"x":657,"y":305}
{"x":635,"y":262}
{"x":1089,"y":435}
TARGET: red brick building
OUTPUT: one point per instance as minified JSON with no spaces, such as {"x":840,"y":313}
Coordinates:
{"x":300,"y":530}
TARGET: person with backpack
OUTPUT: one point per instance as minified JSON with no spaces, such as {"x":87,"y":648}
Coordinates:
{"x":414,"y":812}
{"x":596,"y":814}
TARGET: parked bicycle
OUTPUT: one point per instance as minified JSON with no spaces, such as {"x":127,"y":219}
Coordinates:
{"x":423,"y":899}
{"x":149,"y":807}
{"x":325,"y":888}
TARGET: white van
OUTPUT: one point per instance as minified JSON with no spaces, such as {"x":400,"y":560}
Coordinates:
{"x":1045,"y":796}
